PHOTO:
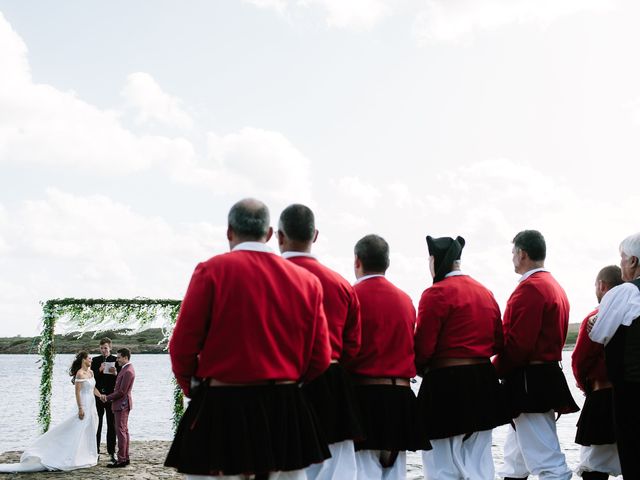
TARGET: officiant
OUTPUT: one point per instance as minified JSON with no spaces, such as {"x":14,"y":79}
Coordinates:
{"x":105,"y":369}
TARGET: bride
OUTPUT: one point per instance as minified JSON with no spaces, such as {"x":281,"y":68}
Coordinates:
{"x":71,"y":444}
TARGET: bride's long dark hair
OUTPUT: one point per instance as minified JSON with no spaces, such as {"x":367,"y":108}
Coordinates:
{"x":77,"y":364}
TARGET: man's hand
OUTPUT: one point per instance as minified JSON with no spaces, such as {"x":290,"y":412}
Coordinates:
{"x":112,"y":370}
{"x":101,"y":369}
{"x":103,"y":398}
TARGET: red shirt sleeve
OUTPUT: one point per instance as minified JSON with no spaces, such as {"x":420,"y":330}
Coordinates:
{"x":498,"y":334}
{"x":321,"y":347}
{"x":431,"y":312}
{"x":352,"y":333}
{"x":191,"y":327}
{"x":584,"y":357}
{"x":521,"y":328}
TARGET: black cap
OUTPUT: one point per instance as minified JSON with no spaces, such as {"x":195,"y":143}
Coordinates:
{"x":445,"y":251}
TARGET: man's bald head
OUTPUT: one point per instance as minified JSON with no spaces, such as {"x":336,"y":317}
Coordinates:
{"x":249,"y":220}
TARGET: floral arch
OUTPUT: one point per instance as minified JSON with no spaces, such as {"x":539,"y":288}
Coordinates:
{"x":97,"y":315}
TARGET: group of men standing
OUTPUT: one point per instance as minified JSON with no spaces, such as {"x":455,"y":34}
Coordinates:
{"x":293,"y":373}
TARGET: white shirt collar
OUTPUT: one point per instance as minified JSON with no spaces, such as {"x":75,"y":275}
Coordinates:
{"x":253,"y":247}
{"x":367,"y":277}
{"x":531,"y":272}
{"x":292,"y":254}
{"x":454,"y":273}
{"x":128,"y":363}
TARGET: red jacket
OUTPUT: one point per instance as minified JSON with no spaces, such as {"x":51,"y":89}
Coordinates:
{"x":388,"y":324}
{"x":249,"y":316}
{"x":341,"y":306}
{"x":587,"y":359}
{"x":535,"y":323}
{"x":457,"y":318}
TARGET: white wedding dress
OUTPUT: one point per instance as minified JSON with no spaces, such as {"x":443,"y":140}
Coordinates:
{"x":67,"y":446}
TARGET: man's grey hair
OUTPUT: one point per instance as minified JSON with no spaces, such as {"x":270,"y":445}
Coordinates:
{"x":630,"y":246}
{"x":249,"y":218}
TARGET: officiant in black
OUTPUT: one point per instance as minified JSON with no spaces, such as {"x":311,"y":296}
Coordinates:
{"x":105,"y":369}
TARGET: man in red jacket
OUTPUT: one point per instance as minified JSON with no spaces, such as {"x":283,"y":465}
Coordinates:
{"x":599,"y":451}
{"x":535,"y":326}
{"x":331,"y":394}
{"x":384,"y":367}
{"x":459,"y":329}
{"x":251,"y":326}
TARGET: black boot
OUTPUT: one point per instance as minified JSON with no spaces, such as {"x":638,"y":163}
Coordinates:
{"x":594,"y":476}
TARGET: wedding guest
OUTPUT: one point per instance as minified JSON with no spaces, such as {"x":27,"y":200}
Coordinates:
{"x":459,"y":329}
{"x":599,"y":452}
{"x":535,"y":326}
{"x":105,"y":383}
{"x":331,"y":394}
{"x":121,"y":404}
{"x":618,"y":328}
{"x":250,"y":328}
{"x":383,"y":367}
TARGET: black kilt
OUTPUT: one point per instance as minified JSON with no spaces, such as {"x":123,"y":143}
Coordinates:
{"x":333,"y":399}
{"x":389,"y":418}
{"x":247,"y":430}
{"x":539,"y":388}
{"x":460,"y":400}
{"x":595,"y":425}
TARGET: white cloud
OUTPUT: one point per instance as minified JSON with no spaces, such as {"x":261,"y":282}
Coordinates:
{"x":40,"y":124}
{"x":341,"y":14}
{"x":355,"y":189}
{"x":44,"y":126}
{"x":277,"y":5}
{"x":143,"y":93}
{"x":354,"y":14}
{"x":455,"y":20}
{"x":251,"y":162}
{"x":92,"y":246}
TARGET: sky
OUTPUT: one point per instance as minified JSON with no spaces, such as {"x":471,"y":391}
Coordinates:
{"x":128,"y":129}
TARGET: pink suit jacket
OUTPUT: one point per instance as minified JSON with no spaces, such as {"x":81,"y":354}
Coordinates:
{"x":121,"y":397}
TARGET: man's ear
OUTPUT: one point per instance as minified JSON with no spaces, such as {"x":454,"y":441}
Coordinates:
{"x":229,"y":233}
{"x":315,"y":236}
{"x":269,"y":234}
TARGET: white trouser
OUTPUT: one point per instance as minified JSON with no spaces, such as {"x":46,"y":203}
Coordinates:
{"x":292,"y":475}
{"x":533,"y":448}
{"x":453,"y":459}
{"x":599,"y":458}
{"x":341,"y":465}
{"x":369,"y":468}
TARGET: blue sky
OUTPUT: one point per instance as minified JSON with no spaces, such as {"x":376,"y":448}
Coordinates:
{"x":127,"y":130}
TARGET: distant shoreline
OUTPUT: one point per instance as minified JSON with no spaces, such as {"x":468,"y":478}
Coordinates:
{"x":145,"y":342}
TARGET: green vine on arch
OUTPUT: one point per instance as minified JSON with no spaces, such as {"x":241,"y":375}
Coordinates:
{"x":95,"y":315}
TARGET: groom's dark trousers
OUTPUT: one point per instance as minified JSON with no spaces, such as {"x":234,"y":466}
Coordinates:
{"x":105,"y":384}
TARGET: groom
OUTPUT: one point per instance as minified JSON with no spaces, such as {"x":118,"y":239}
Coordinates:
{"x":121,"y":404}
